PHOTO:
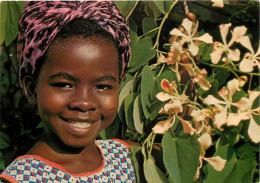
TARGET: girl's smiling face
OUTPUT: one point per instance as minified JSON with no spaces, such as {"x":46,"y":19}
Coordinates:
{"x":77,"y":88}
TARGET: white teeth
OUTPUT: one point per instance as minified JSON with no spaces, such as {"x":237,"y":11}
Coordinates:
{"x":81,"y":124}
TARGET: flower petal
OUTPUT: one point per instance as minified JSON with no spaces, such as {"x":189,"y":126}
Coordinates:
{"x":243,"y":104}
{"x":234,"y":54}
{"x":174,"y":107}
{"x":205,"y":38}
{"x":245,"y":41}
{"x":221,"y":118}
{"x":204,"y":84}
{"x":224,"y":28}
{"x":162,"y":126}
{"x":193,"y":48}
{"x":253,"y":130}
{"x":253,"y":95}
{"x":217,"y":162}
{"x":212,"y":100}
{"x":162,"y":96}
{"x":205,"y":141}
{"x":234,"y":119}
{"x":162,"y":59}
{"x":216,"y":55}
{"x":238,"y":32}
{"x":187,"y":24}
{"x":233,"y":86}
{"x":218,"y":3}
{"x":246,"y":65}
{"x":187,"y":127}
{"x":177,"y":32}
{"x":165,"y":84}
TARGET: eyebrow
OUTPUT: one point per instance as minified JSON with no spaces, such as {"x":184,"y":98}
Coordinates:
{"x":72,"y":78}
{"x":106,"y":78}
{"x":65,"y":76}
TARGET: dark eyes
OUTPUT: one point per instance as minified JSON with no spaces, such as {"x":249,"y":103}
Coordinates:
{"x":62,"y":85}
{"x":100,"y":87}
{"x":104,"y":87}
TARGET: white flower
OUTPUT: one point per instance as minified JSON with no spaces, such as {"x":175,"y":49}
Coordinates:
{"x":193,"y":48}
{"x":220,"y":48}
{"x":218,"y":3}
{"x":251,"y":58}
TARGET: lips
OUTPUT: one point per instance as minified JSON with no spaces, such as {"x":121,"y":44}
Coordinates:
{"x":79,"y":122}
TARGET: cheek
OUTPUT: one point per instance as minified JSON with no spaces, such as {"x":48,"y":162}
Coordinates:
{"x":110,"y":105}
{"x":49,"y":103}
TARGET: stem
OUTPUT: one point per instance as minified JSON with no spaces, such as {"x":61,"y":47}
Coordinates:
{"x":223,"y":67}
{"x":150,"y":31}
{"x":250,"y":82}
{"x":146,"y":140}
{"x":130,"y":12}
{"x":161,"y":70}
{"x":186,"y":8}
{"x":151,"y":147}
{"x":162,"y":23}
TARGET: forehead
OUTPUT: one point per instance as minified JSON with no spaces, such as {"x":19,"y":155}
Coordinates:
{"x":95,"y":55}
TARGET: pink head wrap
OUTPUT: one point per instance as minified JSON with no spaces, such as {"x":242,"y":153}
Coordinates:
{"x":42,"y":20}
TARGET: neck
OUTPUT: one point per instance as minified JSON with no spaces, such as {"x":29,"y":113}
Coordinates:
{"x":50,"y":145}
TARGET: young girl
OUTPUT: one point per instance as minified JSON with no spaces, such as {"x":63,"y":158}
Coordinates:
{"x":72,"y":56}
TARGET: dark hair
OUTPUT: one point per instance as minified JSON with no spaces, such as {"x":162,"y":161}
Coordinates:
{"x":80,"y":27}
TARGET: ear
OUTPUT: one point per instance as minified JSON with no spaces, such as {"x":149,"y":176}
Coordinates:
{"x":29,"y":86}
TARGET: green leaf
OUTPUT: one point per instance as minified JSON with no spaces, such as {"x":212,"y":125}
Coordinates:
{"x":127,"y":88}
{"x":152,"y":173}
{"x":181,"y":157}
{"x":136,"y":158}
{"x":9,"y":17}
{"x":142,"y":52}
{"x":4,"y":141}
{"x":125,"y":6}
{"x":151,"y":9}
{"x":147,"y":87}
{"x":3,"y":20}
{"x":149,"y":23}
{"x":243,"y":171}
{"x":222,"y":76}
{"x":246,"y":151}
{"x":111,"y":131}
{"x":161,"y":6}
{"x":226,"y":152}
{"x":40,"y":125}
{"x":204,"y":51}
{"x":137,"y":115}
{"x":128,"y":106}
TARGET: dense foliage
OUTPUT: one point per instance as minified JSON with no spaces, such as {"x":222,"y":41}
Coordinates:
{"x":190,"y":98}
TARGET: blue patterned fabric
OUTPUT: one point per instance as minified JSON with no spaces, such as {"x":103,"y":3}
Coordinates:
{"x":116,"y":168}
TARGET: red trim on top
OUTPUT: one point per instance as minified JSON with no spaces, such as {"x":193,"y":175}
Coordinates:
{"x":60,"y":167}
{"x":9,"y":178}
{"x":123,"y":142}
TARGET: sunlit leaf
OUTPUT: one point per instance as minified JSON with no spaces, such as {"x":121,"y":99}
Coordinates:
{"x":125,"y":6}
{"x":137,"y":115}
{"x":152,"y":173}
{"x":181,"y":157}
{"x":142,"y":52}
{"x":147,"y":87}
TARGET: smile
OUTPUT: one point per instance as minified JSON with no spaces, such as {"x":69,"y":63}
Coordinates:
{"x":79,"y":123}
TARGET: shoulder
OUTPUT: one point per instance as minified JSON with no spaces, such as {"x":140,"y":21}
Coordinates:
{"x":26,"y":168}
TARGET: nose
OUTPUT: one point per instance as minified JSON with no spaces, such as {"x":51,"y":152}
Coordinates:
{"x":83,"y":100}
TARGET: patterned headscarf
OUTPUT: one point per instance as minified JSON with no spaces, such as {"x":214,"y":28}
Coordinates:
{"x":42,"y":20}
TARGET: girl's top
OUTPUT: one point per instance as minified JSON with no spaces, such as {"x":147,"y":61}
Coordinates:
{"x":116,"y":168}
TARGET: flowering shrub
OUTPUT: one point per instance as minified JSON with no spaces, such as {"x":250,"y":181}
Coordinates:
{"x":194,"y":98}
{"x":190,"y":98}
